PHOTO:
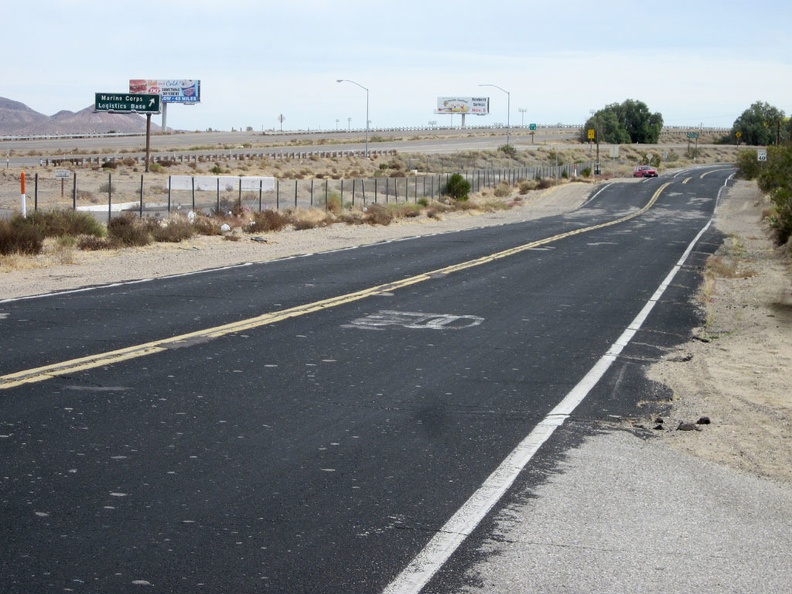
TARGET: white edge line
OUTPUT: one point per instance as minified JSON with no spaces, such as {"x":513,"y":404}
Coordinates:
{"x":433,"y":556}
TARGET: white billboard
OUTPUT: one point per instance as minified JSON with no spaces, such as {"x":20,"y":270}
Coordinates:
{"x":170,"y":91}
{"x":474,"y":105}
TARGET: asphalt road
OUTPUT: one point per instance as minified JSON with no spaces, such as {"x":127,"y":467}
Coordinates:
{"x":17,"y":152}
{"x":310,"y":424}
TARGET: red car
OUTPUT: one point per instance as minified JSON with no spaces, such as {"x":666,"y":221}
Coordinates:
{"x":645,"y":171}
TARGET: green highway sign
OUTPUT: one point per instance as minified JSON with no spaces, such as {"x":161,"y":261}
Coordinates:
{"x":532,"y":127}
{"x":127,"y":102}
{"x":693,"y":135}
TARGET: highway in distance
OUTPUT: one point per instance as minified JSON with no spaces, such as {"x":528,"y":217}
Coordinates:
{"x":312,"y":424}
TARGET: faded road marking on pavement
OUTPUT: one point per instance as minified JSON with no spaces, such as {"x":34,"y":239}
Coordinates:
{"x":46,"y":372}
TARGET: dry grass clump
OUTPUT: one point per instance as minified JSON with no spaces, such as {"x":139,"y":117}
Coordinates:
{"x":503,"y":190}
{"x":377,"y":214}
{"x":16,"y":237}
{"x":267,"y":221}
{"x":308,"y":218}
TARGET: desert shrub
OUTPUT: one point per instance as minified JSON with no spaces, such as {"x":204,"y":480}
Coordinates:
{"x":90,"y":243}
{"x":508,"y":149}
{"x":203,"y":225}
{"x":524,"y":186}
{"x":544,"y":183}
{"x":585,"y":172}
{"x":503,"y":190}
{"x":376,"y":214}
{"x":748,"y":165}
{"x":408,"y":211}
{"x":18,"y":237}
{"x":173,"y":230}
{"x":780,"y":218}
{"x":775,"y":178}
{"x":423,"y":202}
{"x":110,"y":164}
{"x":127,"y":231}
{"x":334,"y":204}
{"x":457,"y":187}
{"x":463,"y":205}
{"x":58,"y":223}
{"x":267,"y":220}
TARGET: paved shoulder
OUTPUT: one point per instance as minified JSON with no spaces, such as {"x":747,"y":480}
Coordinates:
{"x":625,"y":514}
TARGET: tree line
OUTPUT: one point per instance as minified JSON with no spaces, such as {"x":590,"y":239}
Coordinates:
{"x":631,"y":122}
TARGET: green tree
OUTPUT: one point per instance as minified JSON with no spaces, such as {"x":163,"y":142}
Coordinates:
{"x":625,"y":123}
{"x":761,"y":125}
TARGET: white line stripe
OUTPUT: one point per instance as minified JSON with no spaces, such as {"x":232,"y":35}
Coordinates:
{"x":428,"y":562}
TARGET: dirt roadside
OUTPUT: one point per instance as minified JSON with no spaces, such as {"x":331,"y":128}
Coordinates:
{"x":737,"y":369}
{"x":736,"y":372}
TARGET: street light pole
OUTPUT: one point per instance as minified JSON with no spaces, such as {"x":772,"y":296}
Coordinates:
{"x":508,"y":110}
{"x":367,"y":107}
{"x":522,"y":111}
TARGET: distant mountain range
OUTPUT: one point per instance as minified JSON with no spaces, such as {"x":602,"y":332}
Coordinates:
{"x":17,"y":119}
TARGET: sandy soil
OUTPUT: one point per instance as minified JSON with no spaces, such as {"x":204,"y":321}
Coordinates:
{"x":736,"y":372}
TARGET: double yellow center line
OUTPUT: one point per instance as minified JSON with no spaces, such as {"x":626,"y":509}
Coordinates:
{"x":46,"y":372}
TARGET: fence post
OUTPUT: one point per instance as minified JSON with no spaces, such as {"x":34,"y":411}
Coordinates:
{"x":169,"y":195}
{"x":295,"y":193}
{"x":261,"y":192}
{"x":141,"y":193}
{"x":327,"y":195}
{"x":375,"y":190}
{"x":35,"y":193}
{"x":312,"y":184}
{"x":354,"y":183}
{"x":217,"y":210}
{"x":109,"y":196}
{"x":74,"y":192}
{"x":192,"y":181}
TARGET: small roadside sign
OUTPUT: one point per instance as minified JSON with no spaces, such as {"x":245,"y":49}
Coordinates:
{"x":62,"y":174}
{"x":532,"y":126}
{"x":591,"y":134}
{"x":761,"y":155}
{"x":693,"y":134}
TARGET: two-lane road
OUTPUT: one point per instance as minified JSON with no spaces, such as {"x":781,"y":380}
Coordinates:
{"x":312,"y":424}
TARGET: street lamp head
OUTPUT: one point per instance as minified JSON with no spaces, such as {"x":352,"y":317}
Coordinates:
{"x":340,"y":80}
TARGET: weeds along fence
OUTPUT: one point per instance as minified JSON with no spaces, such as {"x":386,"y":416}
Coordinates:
{"x":156,"y":195}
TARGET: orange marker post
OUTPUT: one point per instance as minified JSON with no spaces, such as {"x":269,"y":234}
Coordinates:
{"x":24,"y":203}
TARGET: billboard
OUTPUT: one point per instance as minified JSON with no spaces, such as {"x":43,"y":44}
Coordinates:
{"x":171,"y":91}
{"x":474,"y":105}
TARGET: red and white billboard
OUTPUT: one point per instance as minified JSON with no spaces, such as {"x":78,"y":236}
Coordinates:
{"x":171,"y":91}
{"x":474,"y":105}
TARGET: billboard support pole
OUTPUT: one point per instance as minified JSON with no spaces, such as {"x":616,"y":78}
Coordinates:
{"x":148,"y":140}
{"x":165,"y":117}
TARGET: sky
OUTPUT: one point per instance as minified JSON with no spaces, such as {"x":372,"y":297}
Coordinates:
{"x":696,"y":62}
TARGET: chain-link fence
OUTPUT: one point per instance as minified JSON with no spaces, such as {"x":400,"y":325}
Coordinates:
{"x":151,"y":194}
